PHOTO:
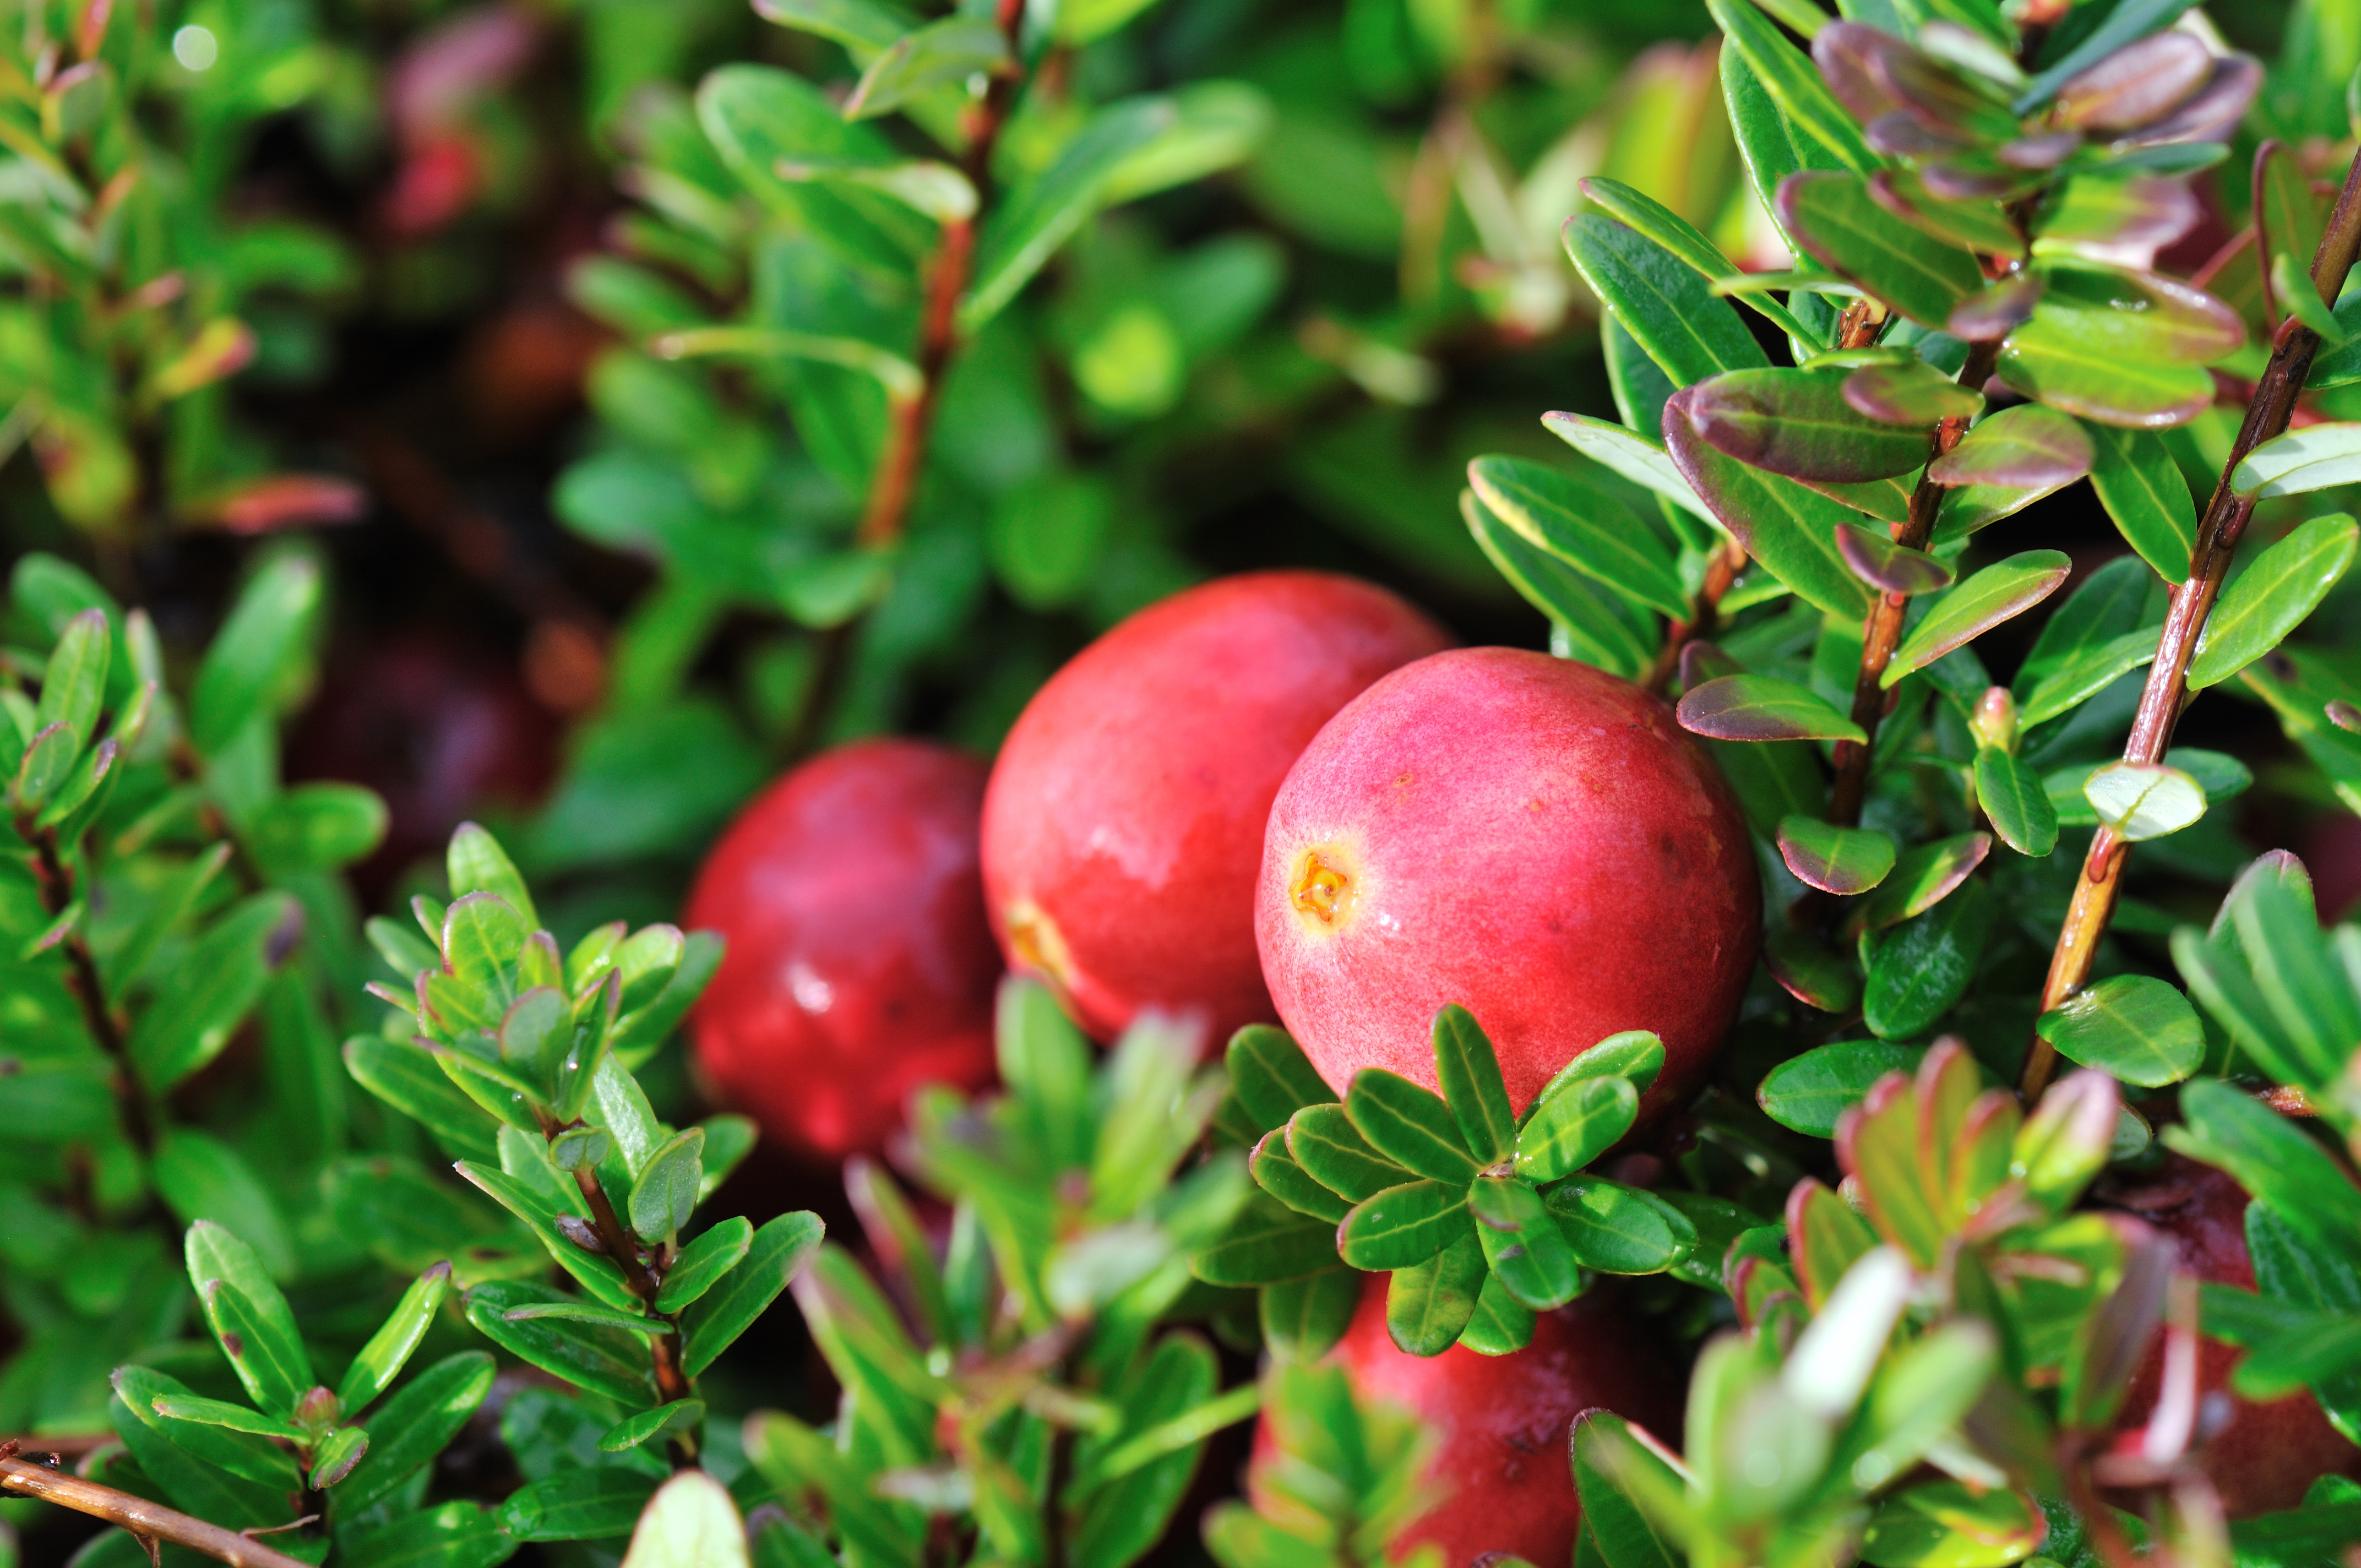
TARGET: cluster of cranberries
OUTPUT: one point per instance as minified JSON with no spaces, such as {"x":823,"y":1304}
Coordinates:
{"x":1280,"y":797}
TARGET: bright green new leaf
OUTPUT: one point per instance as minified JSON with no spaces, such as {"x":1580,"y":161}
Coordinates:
{"x":1842,"y":860}
{"x":2143,"y":800}
{"x":664,"y":1196}
{"x":689,"y":1523}
{"x":702,"y":1264}
{"x":1574,"y":1126}
{"x":2143,"y":490}
{"x":2139,"y":1029}
{"x":2272,"y":596}
{"x":1583,"y":527}
{"x":778,"y":1251}
{"x":2014,"y":800}
{"x":379,"y":1362}
{"x":1661,"y":300}
{"x":253,"y":660}
{"x":939,"y":54}
{"x":1470,"y":1075}
{"x":1522,"y":1244}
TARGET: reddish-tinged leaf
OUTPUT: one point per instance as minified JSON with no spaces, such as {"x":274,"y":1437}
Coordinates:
{"x":1834,"y":218}
{"x":2110,"y":217}
{"x":1800,"y":424}
{"x":1920,"y":880}
{"x":1977,"y":180}
{"x":1881,"y":563}
{"x":1825,"y":1238}
{"x":1993,"y":314}
{"x":282,"y":500}
{"x":2344,"y":715}
{"x":1787,"y":528}
{"x":2136,"y":84}
{"x":1809,"y":972}
{"x":2215,"y":110}
{"x":1947,"y":1082}
{"x":1912,"y":393}
{"x":1763,"y":707}
{"x":1979,"y":225}
{"x":1702,"y":662}
{"x":1842,"y":860}
{"x":2000,"y":592}
{"x":1987,"y":1144}
{"x":1851,"y":57}
{"x":2047,"y":150}
{"x":1901,"y":134}
{"x":1877,"y":1144}
{"x":2029,"y":447}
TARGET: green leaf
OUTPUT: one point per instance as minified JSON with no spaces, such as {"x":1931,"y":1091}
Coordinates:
{"x":254,"y":659}
{"x":406,"y":1077}
{"x":1472,"y":1087}
{"x":1842,"y":860}
{"x":74,"y":682}
{"x":2305,"y":1186}
{"x":590,"y":1504}
{"x":703,"y":1263}
{"x":1303,"y":1319}
{"x":2119,"y":348}
{"x":1809,"y":972}
{"x":597,"y":1273}
{"x":185,"y":1479}
{"x":1791,"y":530}
{"x":609,"y":1361}
{"x":201,"y":1177}
{"x":1919,"y":970}
{"x":1786,"y":75}
{"x":2084,"y":674}
{"x":1624,"y":1488}
{"x":1800,"y":424}
{"x":1634,"y":1054}
{"x":2016,"y":802}
{"x":1404,"y":1225}
{"x":1763,"y":707}
{"x":1429,"y":1303}
{"x":377,"y":1363}
{"x":2024,"y":448}
{"x":1616,"y":1229}
{"x":1659,"y":222}
{"x":215,"y":1433}
{"x":1408,"y":1125}
{"x":1810,"y":1093}
{"x":1272,"y":1077}
{"x":1498,"y":1326}
{"x":454,"y":1535}
{"x":416,"y":1424}
{"x":336,"y":1457}
{"x":649,"y":1426}
{"x":271,"y":1363}
{"x":755,"y":116}
{"x":1668,"y":310}
{"x":2122,"y":24}
{"x":939,"y":54}
{"x":1921,"y":879}
{"x":222,"y":977}
{"x":1267,"y":1243}
{"x":1276,"y":1172}
{"x":1834,"y":218}
{"x":1042,"y":212}
{"x":689,"y":1523}
{"x":476,"y":863}
{"x":664,"y":1196}
{"x":862,"y":26}
{"x":2272,"y":598}
{"x":1332,"y":1152}
{"x":2143,"y":800}
{"x":1998,"y":593}
{"x":2144,"y":492}
{"x":1594,"y":623}
{"x":1582,"y":527}
{"x":1575,"y":1126}
{"x":2141,"y":1029}
{"x":1522,"y":1241}
{"x":779,"y":1250}
{"x":219,"y":1413}
{"x":1625,"y":452}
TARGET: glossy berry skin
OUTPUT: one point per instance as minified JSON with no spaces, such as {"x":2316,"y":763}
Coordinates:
{"x":2268,"y":1454}
{"x":1528,"y":837}
{"x":1126,"y":816}
{"x":859,"y":965}
{"x":1500,"y":1422}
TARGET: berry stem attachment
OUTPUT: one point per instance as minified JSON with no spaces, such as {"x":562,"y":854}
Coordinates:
{"x":2165,"y":694}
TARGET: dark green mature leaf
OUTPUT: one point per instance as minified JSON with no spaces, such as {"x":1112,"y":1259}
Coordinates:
{"x":271,"y":1364}
{"x":1683,"y":238}
{"x":1771,"y":145}
{"x":1405,"y":1225}
{"x":1303,"y":1319}
{"x":1787,"y":527}
{"x":2271,"y":597}
{"x":2085,"y":672}
{"x":1472,"y":1087}
{"x":1499,"y":1326}
{"x":1327,"y":1145}
{"x":454,"y":1535}
{"x":652,"y":1426}
{"x":704,"y":1261}
{"x":200,"y":1176}
{"x":1276,"y":1172}
{"x":779,"y":1250}
{"x":609,"y":1361}
{"x":1834,"y":218}
{"x":1616,"y":1229}
{"x":1410,"y":1125}
{"x":417,"y":1423}
{"x":224,"y":976}
{"x":2143,"y":490}
{"x":186,"y":1482}
{"x":1789,"y":79}
{"x":1044,"y":211}
{"x":1919,"y":970}
{"x":1267,"y":1244}
{"x":1661,"y":300}
{"x":1801,"y":423}
{"x":1842,"y":860}
{"x":406,"y":1077}
{"x":1763,"y":707}
{"x":1810,"y":1092}
{"x":2311,"y":1279}
{"x":1522,"y":1244}
{"x":230,"y":1436}
{"x":1271,"y":1075}
{"x":249,"y":663}
{"x":2272,"y":1160}
{"x":2016,"y":802}
{"x":1429,"y":1303}
{"x":1575,"y":1126}
{"x":2141,"y":1029}
{"x":2000,"y":592}
{"x":594,"y":1503}
{"x":1809,"y":972}
{"x":1594,"y":623}
{"x":377,"y":1363}
{"x":1583,"y":527}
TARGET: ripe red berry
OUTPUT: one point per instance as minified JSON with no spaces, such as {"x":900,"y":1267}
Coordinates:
{"x":1525,"y":836}
{"x":2268,"y":1454}
{"x":858,"y":964}
{"x":1501,"y":1423}
{"x":1126,"y":816}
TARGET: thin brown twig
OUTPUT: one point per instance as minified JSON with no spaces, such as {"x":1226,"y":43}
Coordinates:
{"x":1881,"y":632}
{"x":1721,"y":573}
{"x":664,"y":1349}
{"x":2165,"y":694}
{"x":147,"y":1522}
